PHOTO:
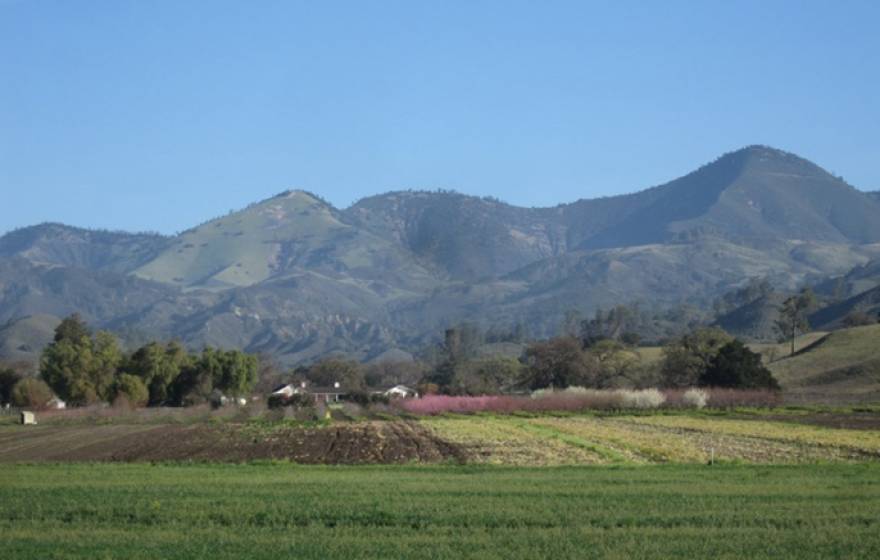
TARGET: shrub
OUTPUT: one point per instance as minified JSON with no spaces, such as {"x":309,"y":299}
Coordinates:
{"x":695,"y":398}
{"x":31,"y":393}
{"x":644,"y":399}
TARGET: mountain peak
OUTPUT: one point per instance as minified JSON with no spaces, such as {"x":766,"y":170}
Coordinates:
{"x":770,"y":159}
{"x":763,"y":150}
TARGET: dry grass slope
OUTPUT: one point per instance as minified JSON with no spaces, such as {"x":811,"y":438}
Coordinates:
{"x":842,"y":367}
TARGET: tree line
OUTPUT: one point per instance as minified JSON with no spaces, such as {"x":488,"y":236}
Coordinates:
{"x":602,"y":352}
{"x":82,"y":368}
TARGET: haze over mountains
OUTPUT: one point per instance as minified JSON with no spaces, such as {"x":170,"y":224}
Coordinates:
{"x":298,"y":278}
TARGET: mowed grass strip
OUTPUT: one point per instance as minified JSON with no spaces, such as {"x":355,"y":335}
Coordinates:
{"x":277,"y":510}
{"x":863,"y":441}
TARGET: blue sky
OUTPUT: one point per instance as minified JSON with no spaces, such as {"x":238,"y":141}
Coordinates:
{"x":159,"y":115}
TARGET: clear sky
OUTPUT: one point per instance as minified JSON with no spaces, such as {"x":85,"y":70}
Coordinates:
{"x":157,"y":115}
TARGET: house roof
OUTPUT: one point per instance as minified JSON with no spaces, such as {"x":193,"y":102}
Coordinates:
{"x":401,"y":388}
{"x":330,"y":390}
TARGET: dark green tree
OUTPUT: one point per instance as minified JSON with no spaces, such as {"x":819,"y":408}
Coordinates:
{"x":66,"y":364}
{"x":72,"y":328}
{"x":80,"y":368}
{"x":347,"y":373}
{"x":486,"y":376}
{"x":193,"y":386}
{"x":737,"y":367}
{"x":239,"y":372}
{"x":685,"y":359}
{"x":616,"y":363}
{"x":619,"y":321}
{"x":459,"y":344}
{"x":8,"y":378}
{"x":158,"y":366}
{"x":385,"y":374}
{"x":106,"y":359}
{"x":559,"y":362}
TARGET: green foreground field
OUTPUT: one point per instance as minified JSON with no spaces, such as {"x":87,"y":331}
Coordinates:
{"x":277,"y":510}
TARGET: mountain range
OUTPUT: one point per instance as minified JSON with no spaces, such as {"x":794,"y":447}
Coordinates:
{"x":297,"y":278}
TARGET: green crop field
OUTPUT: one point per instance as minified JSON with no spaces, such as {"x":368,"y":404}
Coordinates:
{"x":794,"y":482}
{"x":278,"y":510}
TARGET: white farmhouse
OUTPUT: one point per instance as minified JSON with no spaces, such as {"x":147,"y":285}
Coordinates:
{"x":401,"y":392}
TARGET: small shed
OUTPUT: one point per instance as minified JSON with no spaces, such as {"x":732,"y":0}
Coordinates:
{"x":28,"y":418}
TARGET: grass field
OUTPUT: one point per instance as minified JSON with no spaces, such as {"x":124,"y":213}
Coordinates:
{"x":286,"y":511}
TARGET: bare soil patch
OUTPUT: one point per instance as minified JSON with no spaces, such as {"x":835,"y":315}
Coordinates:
{"x":356,"y":443}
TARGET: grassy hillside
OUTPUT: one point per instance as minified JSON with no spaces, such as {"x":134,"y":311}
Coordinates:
{"x":843,"y":366}
{"x":61,"y":245}
{"x":24,"y":339}
{"x":243,"y":248}
{"x":778,"y":351}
